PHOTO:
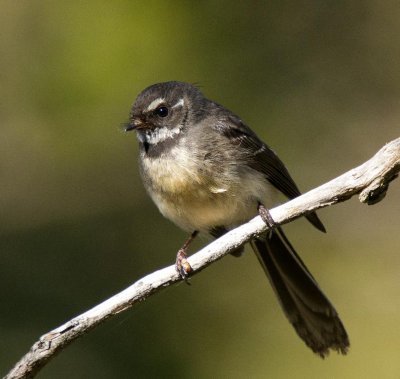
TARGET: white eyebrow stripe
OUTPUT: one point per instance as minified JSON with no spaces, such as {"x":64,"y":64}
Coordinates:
{"x":155,"y":103}
{"x":180,"y":103}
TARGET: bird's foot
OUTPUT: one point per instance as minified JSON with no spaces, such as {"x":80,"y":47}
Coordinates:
{"x":182,"y":265}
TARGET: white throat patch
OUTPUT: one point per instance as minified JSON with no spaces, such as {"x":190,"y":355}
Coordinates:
{"x":155,"y":136}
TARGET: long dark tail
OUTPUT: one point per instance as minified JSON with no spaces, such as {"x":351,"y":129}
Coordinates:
{"x":309,"y":311}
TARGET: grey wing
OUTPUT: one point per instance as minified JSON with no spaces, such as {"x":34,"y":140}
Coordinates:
{"x":263,"y":159}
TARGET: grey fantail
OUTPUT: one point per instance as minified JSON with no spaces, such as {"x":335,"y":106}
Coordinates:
{"x":208,"y":172}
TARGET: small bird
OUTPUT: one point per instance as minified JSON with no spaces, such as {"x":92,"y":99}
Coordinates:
{"x":208,"y":172}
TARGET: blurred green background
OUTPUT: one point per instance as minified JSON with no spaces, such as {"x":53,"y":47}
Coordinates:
{"x":319,"y":81}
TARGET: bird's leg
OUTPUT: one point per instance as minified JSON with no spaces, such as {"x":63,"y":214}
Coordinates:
{"x":182,"y":265}
{"x":266,"y":217}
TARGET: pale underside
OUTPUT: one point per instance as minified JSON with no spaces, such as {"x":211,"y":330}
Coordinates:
{"x":193,"y":199}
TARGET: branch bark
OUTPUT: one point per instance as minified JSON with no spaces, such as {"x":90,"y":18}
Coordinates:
{"x":370,"y":181}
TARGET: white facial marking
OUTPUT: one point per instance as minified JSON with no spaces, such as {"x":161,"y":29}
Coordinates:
{"x":155,"y":103}
{"x":180,"y":103}
{"x":158,"y":135}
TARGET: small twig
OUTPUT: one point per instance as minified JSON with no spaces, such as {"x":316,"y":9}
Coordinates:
{"x":370,"y":180}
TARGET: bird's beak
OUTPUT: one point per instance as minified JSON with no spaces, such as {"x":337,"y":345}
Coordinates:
{"x":135,"y":123}
{"x":130,"y":127}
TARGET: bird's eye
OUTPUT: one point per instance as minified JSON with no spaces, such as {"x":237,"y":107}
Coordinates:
{"x":161,"y":111}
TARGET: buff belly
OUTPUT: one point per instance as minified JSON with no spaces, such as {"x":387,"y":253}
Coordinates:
{"x":196,"y":199}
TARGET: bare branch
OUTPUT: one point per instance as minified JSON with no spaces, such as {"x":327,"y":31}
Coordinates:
{"x":370,"y":180}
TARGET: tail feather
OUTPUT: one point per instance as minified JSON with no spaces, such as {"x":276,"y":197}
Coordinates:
{"x":309,"y":311}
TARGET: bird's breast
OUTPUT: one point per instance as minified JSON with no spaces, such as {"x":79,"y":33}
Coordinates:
{"x":197,"y":195}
